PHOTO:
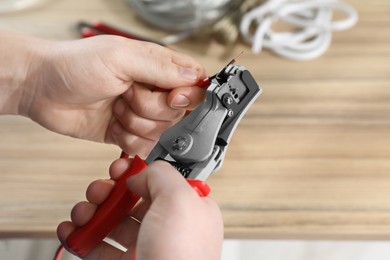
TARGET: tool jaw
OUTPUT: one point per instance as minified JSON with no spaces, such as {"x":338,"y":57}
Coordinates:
{"x":196,"y":145}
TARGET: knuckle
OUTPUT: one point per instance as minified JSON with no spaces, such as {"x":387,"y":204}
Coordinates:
{"x":142,"y":109}
{"x":139,"y":104}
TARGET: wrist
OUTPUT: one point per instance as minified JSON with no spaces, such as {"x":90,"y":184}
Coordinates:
{"x":19,"y":60}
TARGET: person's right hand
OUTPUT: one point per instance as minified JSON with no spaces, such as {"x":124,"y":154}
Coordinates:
{"x":175,"y":222}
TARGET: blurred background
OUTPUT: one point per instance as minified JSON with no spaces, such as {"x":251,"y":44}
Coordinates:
{"x":307,"y":173}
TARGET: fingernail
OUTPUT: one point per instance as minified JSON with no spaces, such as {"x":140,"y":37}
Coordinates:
{"x":119,"y":108}
{"x":180,"y":101}
{"x":188,"y":74}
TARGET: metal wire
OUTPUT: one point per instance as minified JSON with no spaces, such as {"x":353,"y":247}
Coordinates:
{"x":184,"y":15}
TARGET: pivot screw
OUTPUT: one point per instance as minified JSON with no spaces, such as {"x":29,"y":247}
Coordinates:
{"x":179,"y":144}
{"x":228,"y":100}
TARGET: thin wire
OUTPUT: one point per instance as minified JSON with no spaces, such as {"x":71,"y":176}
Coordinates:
{"x":59,"y":253}
{"x":135,"y":219}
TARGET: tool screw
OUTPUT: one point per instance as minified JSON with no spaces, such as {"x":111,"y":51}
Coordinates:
{"x":228,"y":100}
{"x":230,"y":113}
{"x":179,"y":143}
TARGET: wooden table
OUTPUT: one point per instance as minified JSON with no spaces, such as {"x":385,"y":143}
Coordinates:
{"x":310,"y":160}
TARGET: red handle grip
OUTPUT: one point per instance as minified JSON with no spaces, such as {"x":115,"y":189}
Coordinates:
{"x":112,"y":211}
{"x":109,"y":214}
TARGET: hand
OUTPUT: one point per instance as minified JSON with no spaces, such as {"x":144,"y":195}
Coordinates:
{"x":176,"y":222}
{"x":101,"y":89}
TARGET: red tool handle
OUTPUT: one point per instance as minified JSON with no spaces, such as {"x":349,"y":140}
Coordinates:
{"x":112,"y":211}
{"x":109,"y":214}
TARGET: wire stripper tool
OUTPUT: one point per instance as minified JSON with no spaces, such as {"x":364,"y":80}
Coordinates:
{"x":195,"y":146}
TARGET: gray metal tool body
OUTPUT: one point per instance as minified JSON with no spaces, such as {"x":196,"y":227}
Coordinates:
{"x":196,"y":145}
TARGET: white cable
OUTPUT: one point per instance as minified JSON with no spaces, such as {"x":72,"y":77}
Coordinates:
{"x":314,"y":18}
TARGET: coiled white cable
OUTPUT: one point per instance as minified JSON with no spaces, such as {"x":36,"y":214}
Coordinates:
{"x":314,"y":18}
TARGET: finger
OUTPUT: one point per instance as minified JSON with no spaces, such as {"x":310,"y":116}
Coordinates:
{"x":99,"y":190}
{"x":187,"y":61}
{"x":82,"y":212}
{"x":130,"y":143}
{"x":118,"y":167}
{"x":185,"y":97}
{"x":160,"y":66}
{"x":145,"y":128}
{"x":126,"y":232}
{"x":141,"y":126}
{"x":104,"y":251}
{"x":64,"y":229}
{"x":148,"y":104}
{"x":160,"y":179}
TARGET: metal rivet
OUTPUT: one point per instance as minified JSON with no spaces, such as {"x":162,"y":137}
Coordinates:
{"x":230,"y":113}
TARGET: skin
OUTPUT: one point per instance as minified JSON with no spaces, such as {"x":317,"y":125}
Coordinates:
{"x":102,"y":89}
{"x":99,"y":88}
{"x":176,"y":222}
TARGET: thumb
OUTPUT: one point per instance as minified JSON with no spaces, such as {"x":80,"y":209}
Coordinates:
{"x":161,"y":67}
{"x":160,"y":179}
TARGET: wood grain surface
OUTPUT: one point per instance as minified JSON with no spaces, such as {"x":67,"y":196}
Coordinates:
{"x":310,"y":160}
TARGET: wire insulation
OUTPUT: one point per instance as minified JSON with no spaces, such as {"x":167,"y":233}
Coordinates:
{"x":59,"y":253}
{"x":311,"y":19}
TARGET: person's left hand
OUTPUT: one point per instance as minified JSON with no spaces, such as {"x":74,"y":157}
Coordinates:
{"x":176,"y":223}
{"x":101,"y":89}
